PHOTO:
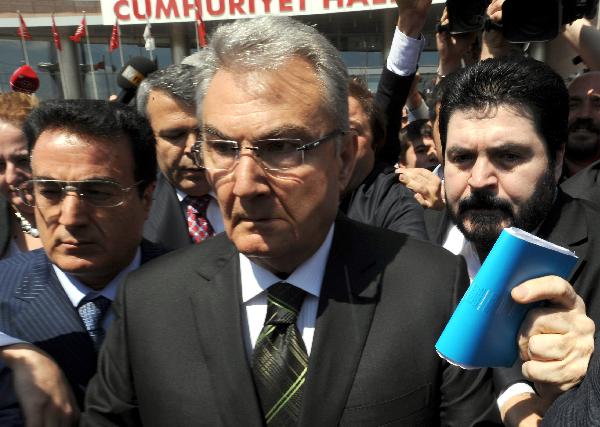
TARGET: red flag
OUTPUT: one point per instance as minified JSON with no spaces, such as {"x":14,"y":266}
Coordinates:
{"x":114,"y":38}
{"x":22,"y":31}
{"x":79,"y":32}
{"x":201,"y":27}
{"x":55,"y":35}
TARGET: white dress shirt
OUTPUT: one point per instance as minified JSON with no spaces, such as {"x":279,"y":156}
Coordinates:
{"x":256,"y":280}
{"x":213,"y":213}
{"x":76,"y":291}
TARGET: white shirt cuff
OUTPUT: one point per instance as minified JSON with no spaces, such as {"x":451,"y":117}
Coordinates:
{"x":404,"y":54}
{"x":512,"y":391}
{"x":8,"y":340}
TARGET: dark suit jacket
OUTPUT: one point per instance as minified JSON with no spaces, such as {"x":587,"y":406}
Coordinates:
{"x":5,"y":226}
{"x":35,"y":308}
{"x":372,"y":360}
{"x":579,"y":407}
{"x":166,"y":225}
{"x":585,"y":184}
{"x":391,"y":96}
{"x":383,"y":201}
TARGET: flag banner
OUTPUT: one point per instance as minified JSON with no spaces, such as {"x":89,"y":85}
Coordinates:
{"x":114,"y":38}
{"x":23,"y":31}
{"x":201,"y":27}
{"x":148,"y":39}
{"x":55,"y":35}
{"x":79,"y":32}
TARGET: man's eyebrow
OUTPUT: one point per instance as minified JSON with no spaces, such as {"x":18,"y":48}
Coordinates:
{"x":286,"y":131}
{"x":88,"y":178}
{"x":458,"y":150}
{"x":512,"y":146}
{"x":177,"y":129}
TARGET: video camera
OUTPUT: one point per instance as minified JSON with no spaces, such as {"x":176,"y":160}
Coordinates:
{"x":522,"y":20}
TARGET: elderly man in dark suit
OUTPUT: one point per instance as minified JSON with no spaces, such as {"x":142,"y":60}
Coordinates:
{"x":93,"y":168}
{"x":297,"y":315}
{"x":183,"y":212}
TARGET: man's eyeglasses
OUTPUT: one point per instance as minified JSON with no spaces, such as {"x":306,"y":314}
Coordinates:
{"x":274,"y":154}
{"x":45,"y":193}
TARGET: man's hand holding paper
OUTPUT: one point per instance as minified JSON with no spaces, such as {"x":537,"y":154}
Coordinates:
{"x":555,"y":341}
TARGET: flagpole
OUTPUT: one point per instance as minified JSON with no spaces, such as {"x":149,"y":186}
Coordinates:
{"x":60,"y":65}
{"x":196,"y":27}
{"x":151,"y":51}
{"x":89,"y":51}
{"x":121,"y":57}
{"x":23,"y":46}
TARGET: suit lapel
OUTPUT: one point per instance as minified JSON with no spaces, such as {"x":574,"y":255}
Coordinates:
{"x":45,"y":298}
{"x":566,"y":226}
{"x":47,"y":318}
{"x":217,"y":306}
{"x":436,"y":223}
{"x":166,"y":224}
{"x":346,"y":306}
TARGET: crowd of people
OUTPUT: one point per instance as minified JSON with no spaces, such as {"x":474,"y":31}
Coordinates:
{"x":263,"y":241}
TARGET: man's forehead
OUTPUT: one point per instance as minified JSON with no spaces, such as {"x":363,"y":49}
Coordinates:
{"x":586,"y":84}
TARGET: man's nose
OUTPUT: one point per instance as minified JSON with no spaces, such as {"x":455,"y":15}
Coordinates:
{"x":13,"y":175}
{"x":250,"y":177}
{"x":483,"y":174}
{"x":73,"y":210}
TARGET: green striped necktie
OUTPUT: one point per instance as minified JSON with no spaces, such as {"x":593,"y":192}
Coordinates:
{"x":279,"y":362}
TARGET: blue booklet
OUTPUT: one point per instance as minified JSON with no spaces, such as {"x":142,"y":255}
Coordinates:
{"x":482,"y":331}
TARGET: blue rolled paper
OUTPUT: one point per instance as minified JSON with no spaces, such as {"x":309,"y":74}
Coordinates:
{"x":482,"y":331}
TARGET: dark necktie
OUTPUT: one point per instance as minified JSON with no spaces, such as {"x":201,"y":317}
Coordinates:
{"x":198,"y":226}
{"x":279,"y":361}
{"x":92,"y":312}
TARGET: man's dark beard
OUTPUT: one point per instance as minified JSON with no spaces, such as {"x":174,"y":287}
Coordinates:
{"x":486,"y":212}
{"x":583,"y":150}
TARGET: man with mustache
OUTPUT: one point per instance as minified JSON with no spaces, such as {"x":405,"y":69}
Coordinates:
{"x":583,"y":144}
{"x":503,"y":130}
{"x":582,"y":156}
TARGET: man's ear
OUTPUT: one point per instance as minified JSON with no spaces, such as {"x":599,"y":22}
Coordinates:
{"x":346,"y":158}
{"x":147,"y":197}
{"x":558,"y":165}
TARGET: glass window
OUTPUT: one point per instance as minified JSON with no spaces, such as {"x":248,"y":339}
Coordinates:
{"x":41,"y":57}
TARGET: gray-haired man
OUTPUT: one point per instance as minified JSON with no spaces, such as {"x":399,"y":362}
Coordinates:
{"x":297,"y":315}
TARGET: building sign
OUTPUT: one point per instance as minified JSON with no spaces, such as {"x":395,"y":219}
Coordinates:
{"x":157,"y":11}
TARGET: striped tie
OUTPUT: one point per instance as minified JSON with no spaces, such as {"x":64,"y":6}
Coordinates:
{"x":280,"y":361}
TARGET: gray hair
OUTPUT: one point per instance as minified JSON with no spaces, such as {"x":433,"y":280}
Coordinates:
{"x":266,"y":43}
{"x":177,"y":81}
{"x":196,"y":59}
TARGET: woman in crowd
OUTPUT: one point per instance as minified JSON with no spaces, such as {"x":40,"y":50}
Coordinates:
{"x":17,"y":222}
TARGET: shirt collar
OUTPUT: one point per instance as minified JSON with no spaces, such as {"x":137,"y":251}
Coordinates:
{"x":77,"y":291}
{"x":308,"y":276}
{"x":181,"y":195}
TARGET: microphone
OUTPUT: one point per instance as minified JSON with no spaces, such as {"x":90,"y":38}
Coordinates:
{"x":131,"y":75}
{"x":25,"y":80}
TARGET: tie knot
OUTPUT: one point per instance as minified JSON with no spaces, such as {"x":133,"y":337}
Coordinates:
{"x":99,"y":304}
{"x":198,"y":204}
{"x":283,"y":303}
